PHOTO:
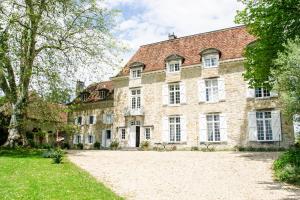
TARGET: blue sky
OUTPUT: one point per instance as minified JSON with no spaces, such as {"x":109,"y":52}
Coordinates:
{"x":147,"y":21}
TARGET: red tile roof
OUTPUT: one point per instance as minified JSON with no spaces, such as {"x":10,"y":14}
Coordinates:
{"x":230,"y":42}
{"x":94,"y":89}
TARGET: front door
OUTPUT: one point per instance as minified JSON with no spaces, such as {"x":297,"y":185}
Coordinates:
{"x":108,"y":138}
{"x":137,"y":136}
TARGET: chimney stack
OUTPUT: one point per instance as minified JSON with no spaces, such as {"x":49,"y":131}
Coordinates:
{"x":172,"y":36}
{"x":79,"y":87}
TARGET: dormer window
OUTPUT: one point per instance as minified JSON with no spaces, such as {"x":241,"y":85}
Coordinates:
{"x":210,"y":57}
{"x":136,"y":72}
{"x":102,"y":94}
{"x":174,"y":66}
{"x":84,"y":96}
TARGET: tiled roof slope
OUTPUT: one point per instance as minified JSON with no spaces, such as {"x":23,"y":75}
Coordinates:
{"x":93,"y":90}
{"x":231,"y":42}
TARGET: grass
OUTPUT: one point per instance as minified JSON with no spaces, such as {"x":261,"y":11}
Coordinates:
{"x":24,"y":174}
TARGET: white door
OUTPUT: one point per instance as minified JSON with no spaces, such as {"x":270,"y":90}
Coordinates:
{"x":132,"y":133}
{"x":106,"y":138}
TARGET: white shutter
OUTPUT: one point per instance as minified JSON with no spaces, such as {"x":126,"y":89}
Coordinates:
{"x":250,"y":91}
{"x":182,"y":93}
{"x":202,"y":128}
{"x":86,"y":139}
{"x":83,"y":119}
{"x":223,"y":127}
{"x":76,"y":121}
{"x":165,"y":94}
{"x":252,"y":126}
{"x":165,"y":129}
{"x":104,"y":118}
{"x":81,"y":139}
{"x":276,"y":125}
{"x":273,"y":93}
{"x":103,"y":138}
{"x":74,"y":139}
{"x":183,"y":128}
{"x":221,"y":88}
{"x":95,"y":119}
{"x":201,"y":90}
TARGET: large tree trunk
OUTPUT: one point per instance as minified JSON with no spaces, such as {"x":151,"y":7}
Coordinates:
{"x":13,"y":131}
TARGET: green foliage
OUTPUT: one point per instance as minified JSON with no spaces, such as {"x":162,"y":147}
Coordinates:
{"x":259,"y":149}
{"x":195,"y":148}
{"x":97,"y":145}
{"x":145,"y":145}
{"x":288,"y":77}
{"x":273,"y":23}
{"x":57,"y":156}
{"x":65,"y":145}
{"x":23,"y":172}
{"x":48,"y":154}
{"x":114,"y":145}
{"x":79,"y":146}
{"x":287,"y":166}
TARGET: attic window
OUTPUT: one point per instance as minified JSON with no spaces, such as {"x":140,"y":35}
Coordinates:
{"x":136,"y":72}
{"x":210,"y":57}
{"x":174,"y":66}
{"x":102,"y":94}
{"x":84,"y":96}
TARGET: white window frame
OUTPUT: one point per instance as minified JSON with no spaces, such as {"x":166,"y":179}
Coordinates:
{"x":266,"y":126}
{"x":90,"y":139}
{"x":136,"y":73}
{"x":135,"y":99}
{"x":84,"y":96}
{"x":102,"y":94}
{"x":93,"y":122}
{"x":123,"y":133}
{"x":175,"y":128}
{"x":109,"y":118}
{"x":174,"y":66}
{"x":215,"y":125}
{"x":264,"y":93}
{"x":211,"y":91}
{"x":210,"y":58}
{"x":174,"y":94}
{"x":147,"y":133}
{"x":78,"y":139}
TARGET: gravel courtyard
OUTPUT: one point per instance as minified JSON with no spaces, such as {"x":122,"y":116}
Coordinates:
{"x":185,"y":175}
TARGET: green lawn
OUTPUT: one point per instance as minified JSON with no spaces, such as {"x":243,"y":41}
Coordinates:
{"x":26,"y":175}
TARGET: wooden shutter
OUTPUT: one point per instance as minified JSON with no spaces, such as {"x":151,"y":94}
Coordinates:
{"x":201,"y":90}
{"x":252,"y":126}
{"x":202,"y":128}
{"x":223,"y":127}
{"x":165,"y":129}
{"x":165,"y":94}
{"x":183,"y":128}
{"x":221,"y":88}
{"x":182,"y":93}
{"x":276,"y":125}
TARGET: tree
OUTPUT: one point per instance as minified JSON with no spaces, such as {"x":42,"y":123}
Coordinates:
{"x":288,"y":77}
{"x":43,"y":42}
{"x":273,"y":23}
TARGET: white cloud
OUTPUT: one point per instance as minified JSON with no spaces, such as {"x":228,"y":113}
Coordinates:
{"x":146,"y":21}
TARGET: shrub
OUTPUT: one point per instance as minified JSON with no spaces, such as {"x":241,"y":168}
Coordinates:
{"x":31,"y":143}
{"x":145,"y":145}
{"x":97,"y":145}
{"x":287,"y":166}
{"x":57,"y":156}
{"x":48,"y":153}
{"x":79,"y":146}
{"x":65,"y":145}
{"x":195,"y":148}
{"x":114,"y":145}
{"x":45,"y":146}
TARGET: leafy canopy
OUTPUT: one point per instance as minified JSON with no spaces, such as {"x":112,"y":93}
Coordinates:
{"x":273,"y":23}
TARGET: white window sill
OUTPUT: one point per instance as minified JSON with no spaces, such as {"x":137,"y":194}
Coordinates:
{"x":174,"y":105}
{"x":211,"y":102}
{"x":210,"y":67}
{"x":173,"y":73}
{"x":135,"y":78}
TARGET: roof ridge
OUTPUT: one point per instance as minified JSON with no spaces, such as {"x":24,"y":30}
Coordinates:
{"x":194,"y":35}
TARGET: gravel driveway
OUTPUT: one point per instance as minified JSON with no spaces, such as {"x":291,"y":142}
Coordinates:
{"x":185,"y":175}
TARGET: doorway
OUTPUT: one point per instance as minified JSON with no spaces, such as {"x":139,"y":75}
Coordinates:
{"x":137,"y":136}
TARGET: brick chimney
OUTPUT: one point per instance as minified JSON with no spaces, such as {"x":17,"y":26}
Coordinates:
{"x":172,"y":36}
{"x":79,"y":87}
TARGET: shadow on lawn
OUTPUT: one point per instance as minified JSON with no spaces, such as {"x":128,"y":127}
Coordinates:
{"x":21,"y":153}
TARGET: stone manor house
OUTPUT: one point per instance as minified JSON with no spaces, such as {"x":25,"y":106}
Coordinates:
{"x":186,"y":91}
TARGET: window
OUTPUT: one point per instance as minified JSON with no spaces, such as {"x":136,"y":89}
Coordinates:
{"x":108,"y":134}
{"x":123,"y":134}
{"x":211,"y":90}
{"x":102,"y":94}
{"x":213,"y":127}
{"x":84,"y":96}
{"x":174,"y":129}
{"x":136,"y":73}
{"x":135,"y":99}
{"x":91,"y":120}
{"x":261,"y":93}
{"x":174,"y":66}
{"x":147,"y":133}
{"x":264,"y":126}
{"x":210,"y":60}
{"x":78,"y":139}
{"x":79,"y":120}
{"x":109,"y":118}
{"x":137,"y":123}
{"x":90,"y":139}
{"x":174,"y":93}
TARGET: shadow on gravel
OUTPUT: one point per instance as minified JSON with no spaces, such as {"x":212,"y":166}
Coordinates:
{"x":293,"y":190}
{"x":259,"y":156}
